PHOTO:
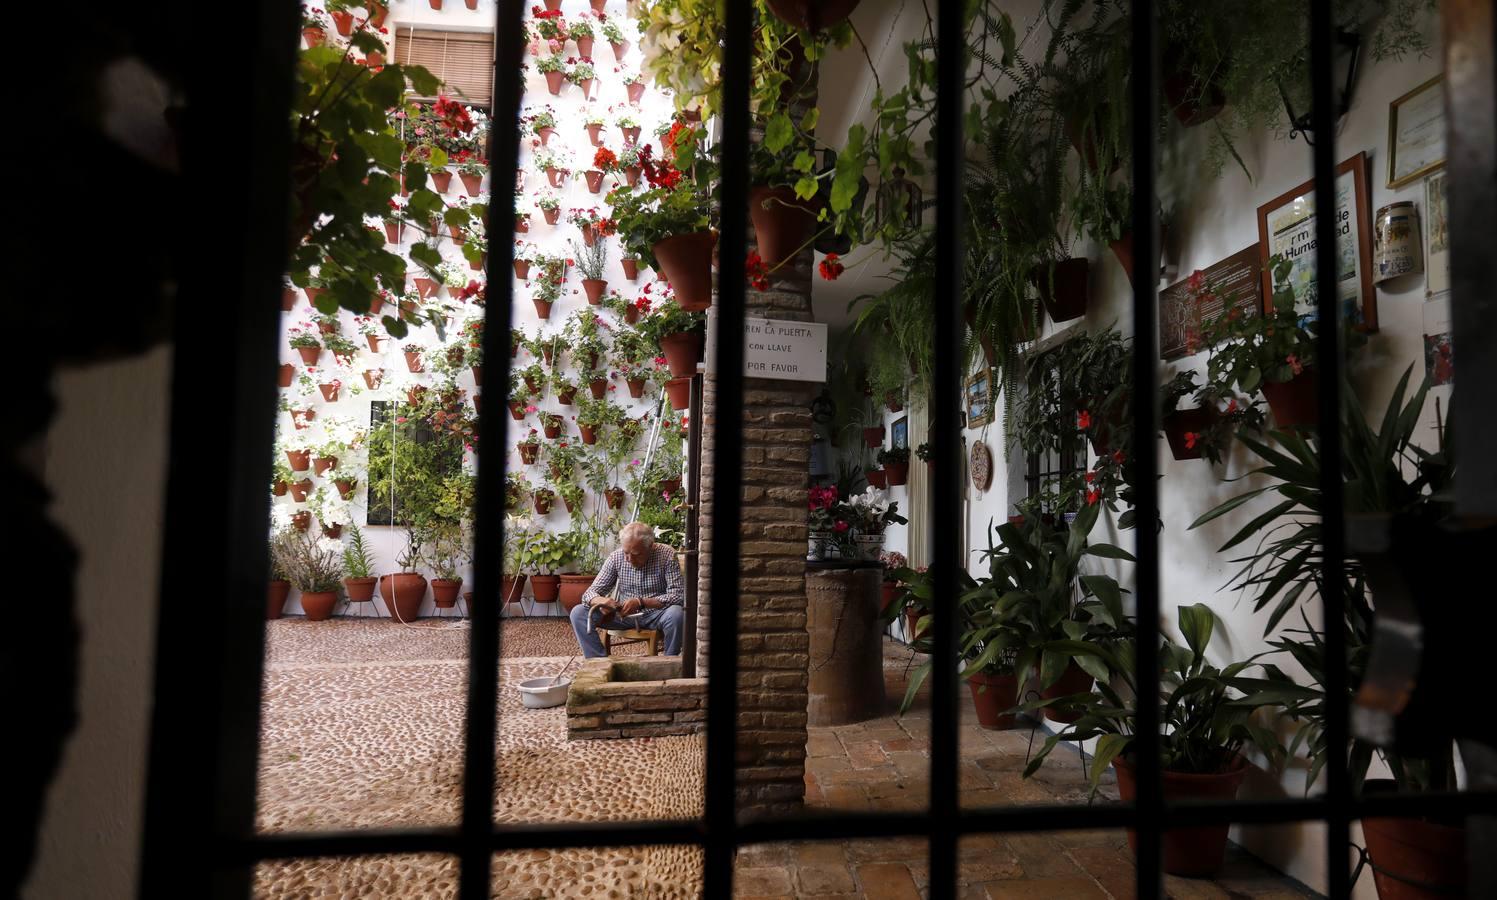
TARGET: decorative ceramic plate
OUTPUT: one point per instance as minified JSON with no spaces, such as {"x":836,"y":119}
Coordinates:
{"x":980,"y":461}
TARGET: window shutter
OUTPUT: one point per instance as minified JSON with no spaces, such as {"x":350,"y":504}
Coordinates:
{"x":463,"y":60}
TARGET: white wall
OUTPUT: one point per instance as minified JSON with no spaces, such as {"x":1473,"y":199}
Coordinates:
{"x":1214,"y":218}
{"x":570,"y":107}
{"x":106,"y":466}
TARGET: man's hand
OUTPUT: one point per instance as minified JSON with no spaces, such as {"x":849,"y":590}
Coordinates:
{"x":631,"y":606}
{"x":606,"y":610}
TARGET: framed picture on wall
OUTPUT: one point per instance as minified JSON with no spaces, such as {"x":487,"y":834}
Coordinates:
{"x":1286,"y":227}
{"x":899,"y":433}
{"x":1416,"y":133}
{"x":980,"y":399}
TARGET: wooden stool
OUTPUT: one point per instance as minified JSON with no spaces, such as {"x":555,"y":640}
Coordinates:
{"x":630,"y":636}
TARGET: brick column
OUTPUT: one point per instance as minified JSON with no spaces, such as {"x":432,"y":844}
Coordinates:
{"x":773,"y":648}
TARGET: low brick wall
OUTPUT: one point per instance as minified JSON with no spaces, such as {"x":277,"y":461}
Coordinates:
{"x":630,"y":698}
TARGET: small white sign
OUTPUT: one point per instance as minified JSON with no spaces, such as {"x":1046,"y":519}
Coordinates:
{"x":789,"y":351}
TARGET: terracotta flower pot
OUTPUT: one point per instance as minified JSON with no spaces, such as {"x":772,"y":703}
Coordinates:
{"x":631,"y":268}
{"x":545,"y":587}
{"x":554,"y":81}
{"x":309,"y":355}
{"x":522,"y":268}
{"x":512,"y":588}
{"x":413,"y":361}
{"x":318,"y":605}
{"x":288,"y":299}
{"x":1074,"y":680}
{"x":284,"y":375}
{"x":302,"y":418}
{"x":301,"y":521}
{"x":552,"y":216}
{"x":812,"y":15}
{"x":552,"y":429}
{"x":682,"y":351}
{"x":477,"y":375}
{"x":636,"y":92}
{"x":413,"y":395}
{"x":299,"y":460}
{"x":892,"y":403}
{"x":1063,"y":291}
{"x":394,"y":231}
{"x":322,"y":463}
{"x":1193,"y":104}
{"x":599,"y":388}
{"x":344,"y":486}
{"x":636,"y":387}
{"x":1190,"y":852}
{"x":444,"y":592}
{"x":427,"y":288}
{"x":991,"y":696}
{"x":686,"y":260}
{"x":594,"y":131}
{"x":589,"y":234}
{"x":545,"y":135}
{"x":898,"y":473}
{"x":333,"y":531}
{"x":619,"y":49}
{"x":594,"y":288}
{"x":874,"y":437}
{"x":572,"y":588}
{"x":314,"y":36}
{"x":615,"y":497}
{"x":679,"y":392}
{"x":472,"y":184}
{"x":877,"y":478}
{"x":542,"y":307}
{"x":517,"y":411}
{"x":1180,"y":424}
{"x":782,"y":224}
{"x":1414,"y":859}
{"x":585,"y":47}
{"x":279,"y":488}
{"x":435,"y":4}
{"x":373,"y":378}
{"x":403,"y":593}
{"x":1294,"y":402}
{"x":631,"y":134}
{"x":529,"y":453}
{"x":589,"y":434}
{"x":374,"y":58}
{"x":342,"y":20}
{"x":377,"y":12}
{"x":912,"y":617}
{"x":441,"y":181}
{"x":275,"y":598}
{"x":360,"y":590}
{"x":594,"y":180}
{"x":888,"y":592}
{"x":670,"y":485}
{"x":330,"y":391}
{"x":522,"y":224}
{"x":631,"y":314}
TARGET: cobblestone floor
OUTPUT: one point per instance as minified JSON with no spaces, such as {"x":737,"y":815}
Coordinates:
{"x":362,"y":728}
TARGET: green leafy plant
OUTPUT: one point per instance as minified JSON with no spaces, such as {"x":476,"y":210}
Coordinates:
{"x":358,"y":561}
{"x":312,"y":564}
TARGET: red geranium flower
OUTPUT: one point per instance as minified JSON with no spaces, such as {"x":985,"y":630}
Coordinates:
{"x":1083,"y":420}
{"x":605,"y":159}
{"x":755,"y":273}
{"x":831,"y":268}
{"x":1190,"y":440}
{"x":1092,"y":496}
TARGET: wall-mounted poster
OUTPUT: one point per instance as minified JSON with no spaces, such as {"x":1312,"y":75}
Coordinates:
{"x":1436,"y":236}
{"x":1286,"y":227}
{"x":1187,"y":308}
{"x":1416,"y":133}
{"x":899,"y":433}
{"x":980,"y":399}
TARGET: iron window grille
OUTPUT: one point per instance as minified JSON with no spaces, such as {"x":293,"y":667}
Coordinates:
{"x":226,"y":752}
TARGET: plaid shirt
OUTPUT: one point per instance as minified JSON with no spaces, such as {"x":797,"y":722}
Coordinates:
{"x":661,"y":577}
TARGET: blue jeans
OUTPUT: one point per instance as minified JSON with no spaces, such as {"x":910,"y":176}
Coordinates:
{"x":670,"y":619}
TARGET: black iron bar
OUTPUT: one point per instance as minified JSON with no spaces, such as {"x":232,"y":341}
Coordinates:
{"x":727,"y":456}
{"x":1144,"y":88}
{"x":1328,"y":367}
{"x":480,"y":737}
{"x":946,"y":498}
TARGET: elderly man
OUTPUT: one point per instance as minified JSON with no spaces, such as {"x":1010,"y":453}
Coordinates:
{"x":639,"y":586}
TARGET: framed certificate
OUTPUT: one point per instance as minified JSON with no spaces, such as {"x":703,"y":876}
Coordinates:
{"x":1416,"y":133}
{"x":1286,"y":227}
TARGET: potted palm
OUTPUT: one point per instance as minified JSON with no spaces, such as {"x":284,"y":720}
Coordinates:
{"x":314,"y":566}
{"x":404,"y":590}
{"x":358,"y":565}
{"x":1204,"y":726}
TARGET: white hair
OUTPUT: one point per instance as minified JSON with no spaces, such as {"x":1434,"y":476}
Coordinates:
{"x":637,"y":532}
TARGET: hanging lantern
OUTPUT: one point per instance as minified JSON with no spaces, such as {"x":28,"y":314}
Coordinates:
{"x":831,"y":241}
{"x":899,"y":204}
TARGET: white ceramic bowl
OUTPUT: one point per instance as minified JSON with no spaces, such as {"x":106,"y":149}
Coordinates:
{"x":540,"y":693}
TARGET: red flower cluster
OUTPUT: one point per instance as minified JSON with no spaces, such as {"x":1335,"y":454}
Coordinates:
{"x":831,"y":267}
{"x":821,"y":498}
{"x":539,"y":13}
{"x":1083,"y":420}
{"x":604,"y":227}
{"x":755,"y":272}
{"x":605,"y":159}
{"x":673,"y":137}
{"x":453,"y":115}
{"x":1190,"y":440}
{"x":658,"y":173}
{"x":472,"y":290}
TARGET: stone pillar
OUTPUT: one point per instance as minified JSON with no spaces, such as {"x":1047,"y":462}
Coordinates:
{"x":773,"y":648}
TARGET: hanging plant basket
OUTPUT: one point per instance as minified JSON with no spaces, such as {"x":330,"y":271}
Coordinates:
{"x":1294,"y":402}
{"x":877,"y":478}
{"x":686,"y":261}
{"x":1064,"y":290}
{"x":682,"y":351}
{"x":898,"y":473}
{"x":782,"y":223}
{"x":594,"y":288}
{"x":1182,"y":429}
{"x":678,"y":390}
{"x":529,"y":453}
{"x":544,"y":500}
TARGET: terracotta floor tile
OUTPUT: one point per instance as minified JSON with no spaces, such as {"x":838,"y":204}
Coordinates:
{"x":1046,"y":889}
{"x":887,"y":881}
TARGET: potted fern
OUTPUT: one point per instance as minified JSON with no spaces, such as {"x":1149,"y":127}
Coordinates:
{"x":358,"y":565}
